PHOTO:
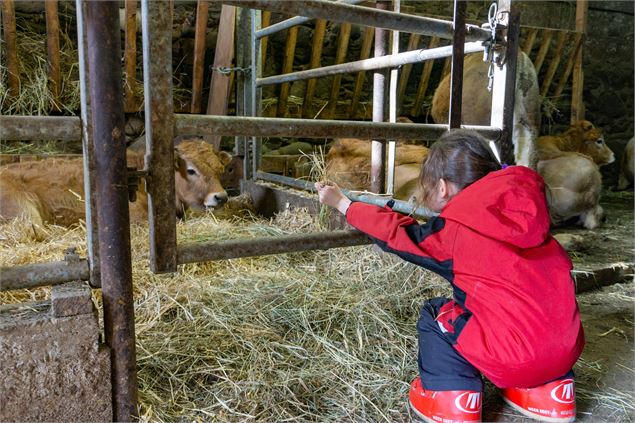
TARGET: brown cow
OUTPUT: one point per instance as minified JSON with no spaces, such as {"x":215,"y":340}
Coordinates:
{"x":583,"y":138}
{"x":51,"y":190}
{"x":627,"y":167}
{"x":348,"y":165}
{"x":477,"y":103}
{"x":574,"y":183}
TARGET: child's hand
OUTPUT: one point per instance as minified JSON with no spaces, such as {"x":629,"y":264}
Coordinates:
{"x":331,"y":195}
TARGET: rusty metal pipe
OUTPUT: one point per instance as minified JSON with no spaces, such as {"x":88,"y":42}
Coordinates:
{"x":106,"y":94}
{"x":458,"y":54}
{"x":309,"y":128}
{"x":365,"y":16}
{"x":42,"y":274}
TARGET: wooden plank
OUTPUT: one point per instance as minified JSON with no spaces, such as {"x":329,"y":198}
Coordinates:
{"x":529,"y":41}
{"x":553,"y":66}
{"x":264,"y":41}
{"x":424,"y":80}
{"x":130,"y":57}
{"x":224,"y":54}
{"x":545,"y":43}
{"x":367,"y":42}
{"x":569,"y":67}
{"x":340,"y":57}
{"x":198,"y":67}
{"x":413,"y":43}
{"x":577,"y":105}
{"x":287,"y":67}
{"x":53,"y":51}
{"x":8,"y":31}
{"x":316,"y":54}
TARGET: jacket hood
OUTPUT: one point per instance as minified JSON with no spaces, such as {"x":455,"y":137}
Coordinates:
{"x":508,"y":205}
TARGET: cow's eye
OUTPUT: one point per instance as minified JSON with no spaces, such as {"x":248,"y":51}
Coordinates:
{"x":191,"y":171}
{"x":600,"y":141}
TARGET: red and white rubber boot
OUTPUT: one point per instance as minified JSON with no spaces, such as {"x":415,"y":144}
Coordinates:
{"x":552,"y":402}
{"x":445,"y":406}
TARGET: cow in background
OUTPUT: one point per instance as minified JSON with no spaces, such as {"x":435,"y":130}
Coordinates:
{"x":627,"y":167}
{"x":582,"y":137}
{"x":477,"y":103}
{"x":51,"y":190}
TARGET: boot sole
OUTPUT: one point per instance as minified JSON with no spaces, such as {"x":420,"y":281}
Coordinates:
{"x":536,"y":416}
{"x":419,"y":415}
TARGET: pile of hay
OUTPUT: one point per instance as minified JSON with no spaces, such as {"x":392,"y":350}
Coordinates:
{"x":312,"y":336}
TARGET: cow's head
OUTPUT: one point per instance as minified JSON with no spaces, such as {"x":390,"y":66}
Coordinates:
{"x":592,"y":143}
{"x":198,"y":169}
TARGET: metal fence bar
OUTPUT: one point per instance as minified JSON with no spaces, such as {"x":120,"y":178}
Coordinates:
{"x":456,"y":78}
{"x":106,"y":94}
{"x":156,"y":19}
{"x":365,"y":16}
{"x":31,"y":128}
{"x":390,"y":61}
{"x":296,"y":20}
{"x":309,"y":128}
{"x":378,"y":147}
{"x":43,"y":274}
{"x":403,"y":207}
{"x":223,"y":250}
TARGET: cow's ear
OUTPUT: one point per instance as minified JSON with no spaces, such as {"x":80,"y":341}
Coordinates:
{"x":586,"y":125}
{"x":179,"y":164}
{"x":224,"y":157}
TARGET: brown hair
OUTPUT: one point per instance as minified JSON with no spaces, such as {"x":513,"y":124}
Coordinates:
{"x":459,"y":156}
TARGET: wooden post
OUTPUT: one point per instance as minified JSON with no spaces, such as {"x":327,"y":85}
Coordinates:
{"x":529,"y":41}
{"x":424,"y":80}
{"x":53,"y":51}
{"x":316,"y":54}
{"x":265,"y":20}
{"x":413,"y":43}
{"x":340,"y":57}
{"x":555,"y":61}
{"x":8,"y":31}
{"x":547,"y":34}
{"x":287,"y":67}
{"x":577,"y":105}
{"x":199,"y":55}
{"x":130,"y":57}
{"x":369,"y":34}
{"x":219,"y":83}
{"x":569,"y":67}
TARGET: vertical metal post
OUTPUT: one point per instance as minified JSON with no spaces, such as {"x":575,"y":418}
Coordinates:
{"x":378,"y":147}
{"x":254,"y":107}
{"x":156,"y":18}
{"x":458,"y":54}
{"x":244,"y":97}
{"x":392,"y":107}
{"x":92,"y":234}
{"x":503,"y":92}
{"x":106,"y":94}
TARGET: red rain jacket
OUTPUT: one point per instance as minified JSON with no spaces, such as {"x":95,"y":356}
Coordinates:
{"x":514,"y":314}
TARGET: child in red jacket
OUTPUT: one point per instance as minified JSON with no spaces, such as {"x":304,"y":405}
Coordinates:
{"x":513,"y":317}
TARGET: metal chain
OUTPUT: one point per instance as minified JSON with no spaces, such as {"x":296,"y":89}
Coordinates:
{"x":488,"y":53}
{"x":226,"y":71}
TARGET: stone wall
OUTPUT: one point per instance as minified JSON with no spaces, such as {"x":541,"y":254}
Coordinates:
{"x":53,"y":366}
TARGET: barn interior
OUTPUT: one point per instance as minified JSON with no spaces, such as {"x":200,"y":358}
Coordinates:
{"x":285,"y":332}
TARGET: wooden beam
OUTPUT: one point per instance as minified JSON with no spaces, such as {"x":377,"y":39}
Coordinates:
{"x":569,"y":67}
{"x":424,"y":80}
{"x":340,"y":57}
{"x":53,"y":51}
{"x":413,"y":43}
{"x":553,"y":66}
{"x":316,"y":54}
{"x":8,"y":31}
{"x":287,"y":67}
{"x":529,"y":41}
{"x":264,"y":41}
{"x":223,"y":56}
{"x":367,"y":43}
{"x":545,"y":43}
{"x":198,"y":67}
{"x":130,"y":57}
{"x":577,"y":105}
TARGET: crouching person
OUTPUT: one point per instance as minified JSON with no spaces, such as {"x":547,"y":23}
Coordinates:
{"x":513,"y":317}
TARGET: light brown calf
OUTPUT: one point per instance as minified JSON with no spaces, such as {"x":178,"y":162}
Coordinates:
{"x":583,"y":138}
{"x":51,"y":190}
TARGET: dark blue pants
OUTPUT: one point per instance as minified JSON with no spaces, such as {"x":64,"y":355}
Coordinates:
{"x":441,"y":367}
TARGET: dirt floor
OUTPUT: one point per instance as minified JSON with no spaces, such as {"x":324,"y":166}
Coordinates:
{"x":605,"y":375}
